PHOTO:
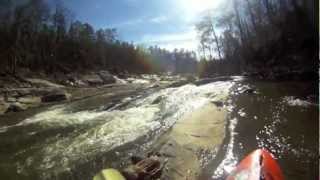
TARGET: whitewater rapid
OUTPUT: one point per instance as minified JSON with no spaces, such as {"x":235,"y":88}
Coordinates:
{"x":86,"y":134}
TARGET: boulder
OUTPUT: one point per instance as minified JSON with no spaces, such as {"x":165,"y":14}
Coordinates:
{"x":107,"y":77}
{"x":120,"y":81}
{"x":250,"y":91}
{"x":217,"y":103}
{"x":31,"y":101}
{"x":73,"y":80}
{"x":16,"y":107}
{"x":11,"y":99}
{"x":178,"y":83}
{"x":3,"y":107}
{"x":43,"y":83}
{"x":55,"y":97}
{"x":93,"y":79}
{"x":19,"y":92}
{"x":158,"y":100}
{"x":210,"y":80}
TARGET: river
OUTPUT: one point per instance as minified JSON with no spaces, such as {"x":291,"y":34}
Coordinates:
{"x":76,"y":140}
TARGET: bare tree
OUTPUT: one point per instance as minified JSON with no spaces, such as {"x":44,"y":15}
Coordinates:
{"x":208,"y":36}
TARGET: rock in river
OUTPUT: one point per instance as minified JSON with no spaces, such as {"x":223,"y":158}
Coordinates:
{"x":199,"y":131}
{"x":107,"y":77}
{"x":16,"y":107}
{"x":92,"y":80}
{"x":30,"y":101}
{"x":3,"y":107}
{"x":55,"y":97}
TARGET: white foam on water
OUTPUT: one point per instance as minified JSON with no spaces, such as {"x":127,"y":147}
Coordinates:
{"x":293,"y":101}
{"x":230,"y":160}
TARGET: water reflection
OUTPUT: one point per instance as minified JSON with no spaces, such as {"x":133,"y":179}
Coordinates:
{"x":278,"y":117}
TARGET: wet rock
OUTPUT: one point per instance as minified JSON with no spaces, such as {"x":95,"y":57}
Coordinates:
{"x":43,"y":83}
{"x":55,"y":97}
{"x":136,"y":159}
{"x":217,"y":103}
{"x":242,"y":113}
{"x":250,"y":91}
{"x":155,"y":86}
{"x":179,"y":162}
{"x":16,"y":107}
{"x":294,"y":101}
{"x":30,"y":101}
{"x":93,"y":80}
{"x":186,"y":145}
{"x":210,"y":80}
{"x":12,"y":93}
{"x":148,"y":168}
{"x":178,"y":84}
{"x":158,"y":100}
{"x":106,"y":77}
{"x":22,"y":92}
{"x":169,"y":149}
{"x":312,"y":98}
{"x":120,"y":81}
{"x":191,"y":78}
{"x":3,"y":107}
{"x":11,"y":100}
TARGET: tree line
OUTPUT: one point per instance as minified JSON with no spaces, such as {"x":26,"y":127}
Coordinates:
{"x":47,"y":39}
{"x":179,"y":61}
{"x":41,"y":38}
{"x":259,"y":36}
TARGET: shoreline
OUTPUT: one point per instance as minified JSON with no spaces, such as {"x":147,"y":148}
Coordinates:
{"x":19,"y":94}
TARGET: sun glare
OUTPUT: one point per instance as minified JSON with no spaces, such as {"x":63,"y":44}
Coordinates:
{"x":192,"y":8}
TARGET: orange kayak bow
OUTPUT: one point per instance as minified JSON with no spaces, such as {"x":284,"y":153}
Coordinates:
{"x":259,"y":165}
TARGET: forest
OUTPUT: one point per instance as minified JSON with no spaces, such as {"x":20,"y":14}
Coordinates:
{"x":267,"y":38}
{"x":37,"y":37}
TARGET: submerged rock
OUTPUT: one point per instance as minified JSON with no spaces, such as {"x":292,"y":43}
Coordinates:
{"x":54,"y":97}
{"x":199,"y":131}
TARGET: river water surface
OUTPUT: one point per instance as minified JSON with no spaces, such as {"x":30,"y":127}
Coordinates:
{"x":282,"y":117}
{"x":76,"y":140}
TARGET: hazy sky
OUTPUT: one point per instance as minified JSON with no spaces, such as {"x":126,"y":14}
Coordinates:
{"x":166,"y":23}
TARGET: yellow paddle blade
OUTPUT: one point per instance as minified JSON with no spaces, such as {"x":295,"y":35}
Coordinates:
{"x":109,"y":174}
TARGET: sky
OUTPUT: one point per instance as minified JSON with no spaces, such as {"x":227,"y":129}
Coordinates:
{"x":167,"y":23}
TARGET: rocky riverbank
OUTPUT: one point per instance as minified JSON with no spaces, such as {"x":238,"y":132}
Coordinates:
{"x":21,"y":92}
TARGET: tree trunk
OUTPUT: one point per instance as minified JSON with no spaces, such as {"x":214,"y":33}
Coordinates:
{"x":216,"y":41}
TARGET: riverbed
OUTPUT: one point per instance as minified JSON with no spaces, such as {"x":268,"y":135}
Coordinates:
{"x":75,"y":140}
